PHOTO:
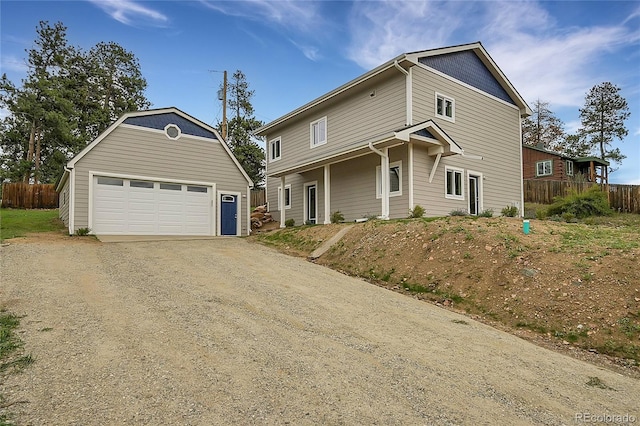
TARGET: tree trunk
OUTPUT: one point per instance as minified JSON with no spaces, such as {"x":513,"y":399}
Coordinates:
{"x":32,"y":137}
{"x":36,"y":168}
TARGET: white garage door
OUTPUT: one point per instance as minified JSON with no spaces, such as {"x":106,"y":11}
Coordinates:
{"x":140,"y":207}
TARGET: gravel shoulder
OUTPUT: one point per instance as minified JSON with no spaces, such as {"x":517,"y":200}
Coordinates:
{"x":207,"y":332}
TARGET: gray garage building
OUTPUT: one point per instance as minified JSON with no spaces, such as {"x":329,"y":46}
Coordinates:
{"x":156,"y":172}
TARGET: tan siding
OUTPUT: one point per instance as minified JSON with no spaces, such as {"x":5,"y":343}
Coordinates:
{"x":483,"y":126}
{"x":356,"y":118}
{"x":63,"y":202}
{"x":141,"y":152}
{"x":353,"y":188}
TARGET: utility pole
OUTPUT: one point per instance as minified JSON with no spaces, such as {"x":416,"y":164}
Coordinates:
{"x":222,"y":96}
{"x":224,"y":106}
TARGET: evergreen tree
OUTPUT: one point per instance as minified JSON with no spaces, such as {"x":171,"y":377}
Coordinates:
{"x":241,"y":128}
{"x":543,"y":129}
{"x":66,"y":100}
{"x":602,"y":118}
{"x":575,"y":146}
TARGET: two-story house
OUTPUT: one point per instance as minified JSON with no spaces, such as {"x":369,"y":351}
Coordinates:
{"x":438,"y":128}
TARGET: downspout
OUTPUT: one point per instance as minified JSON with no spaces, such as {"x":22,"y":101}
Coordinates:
{"x":384,"y":179}
{"x":408,"y":89}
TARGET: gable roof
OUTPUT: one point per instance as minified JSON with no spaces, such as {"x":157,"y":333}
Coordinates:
{"x":429,"y":58}
{"x":158,"y":119}
{"x":596,"y":160}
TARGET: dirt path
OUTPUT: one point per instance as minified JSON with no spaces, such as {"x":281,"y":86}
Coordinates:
{"x":206,"y":332}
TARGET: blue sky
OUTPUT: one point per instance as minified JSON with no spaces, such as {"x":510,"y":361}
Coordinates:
{"x":295,"y":51}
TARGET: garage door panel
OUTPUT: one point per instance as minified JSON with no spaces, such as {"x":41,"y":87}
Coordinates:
{"x":124,"y":206}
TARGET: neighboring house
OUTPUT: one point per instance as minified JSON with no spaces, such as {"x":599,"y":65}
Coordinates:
{"x":443,"y":125}
{"x":157,"y":172}
{"x":542,"y":164}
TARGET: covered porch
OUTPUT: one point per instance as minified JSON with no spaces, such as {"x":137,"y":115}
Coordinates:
{"x":426,"y":134}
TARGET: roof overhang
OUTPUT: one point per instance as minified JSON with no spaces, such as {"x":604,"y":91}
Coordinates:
{"x":438,"y":142}
{"x":488,"y":61}
{"x":71,"y":163}
{"x":594,"y":160}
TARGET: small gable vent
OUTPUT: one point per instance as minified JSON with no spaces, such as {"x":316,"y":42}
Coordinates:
{"x":172,"y":131}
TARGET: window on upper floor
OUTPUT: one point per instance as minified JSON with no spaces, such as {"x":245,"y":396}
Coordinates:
{"x":445,"y":107}
{"x":274,"y":149}
{"x":319,"y":132}
{"x":395,"y":180}
{"x":287,"y":197}
{"x":569,"y":168}
{"x":454,"y":183}
{"x":544,"y":168}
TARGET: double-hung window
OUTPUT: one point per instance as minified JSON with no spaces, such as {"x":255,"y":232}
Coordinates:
{"x":445,"y":107}
{"x":569,"y":168}
{"x":395,"y":180}
{"x":287,"y":197}
{"x":274,"y":149}
{"x":454,"y":183}
{"x":318,"y":130}
{"x":544,"y":168}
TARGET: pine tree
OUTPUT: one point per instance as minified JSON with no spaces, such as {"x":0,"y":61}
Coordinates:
{"x":602,"y":118}
{"x":241,"y":128}
{"x":67,"y":98}
{"x":543,"y":129}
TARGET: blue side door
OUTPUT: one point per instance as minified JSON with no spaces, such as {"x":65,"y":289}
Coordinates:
{"x":228,"y":214}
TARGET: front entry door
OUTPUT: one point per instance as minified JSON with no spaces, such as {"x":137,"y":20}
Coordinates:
{"x":228,"y":214}
{"x":311,"y":212}
{"x":474,"y":198}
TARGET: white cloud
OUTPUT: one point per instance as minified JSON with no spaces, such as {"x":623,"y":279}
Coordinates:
{"x":384,"y":29}
{"x":13,"y":63}
{"x":129,"y":12}
{"x":299,"y":15}
{"x":310,"y":52}
{"x":543,"y":61}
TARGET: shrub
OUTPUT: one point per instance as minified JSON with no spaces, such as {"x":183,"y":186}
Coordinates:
{"x":416,"y":212}
{"x":289,"y":223}
{"x":592,"y":202}
{"x":337,"y":217}
{"x":82,"y":232}
{"x":510,"y":211}
{"x":486,"y":213}
{"x":459,"y":212}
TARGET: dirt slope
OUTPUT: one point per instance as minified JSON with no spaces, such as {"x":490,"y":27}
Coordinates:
{"x":566,"y":286}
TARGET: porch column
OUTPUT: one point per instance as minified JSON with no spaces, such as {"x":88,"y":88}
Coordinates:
{"x":281,"y":202}
{"x":327,"y":194}
{"x":384,"y":179}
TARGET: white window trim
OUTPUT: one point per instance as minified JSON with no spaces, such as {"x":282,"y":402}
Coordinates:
{"x":453,"y":107}
{"x":166,"y":131}
{"x":543,"y":168}
{"x":462,"y":178}
{"x":305,"y":201}
{"x":569,"y":167}
{"x":324,"y":142}
{"x":286,"y":206}
{"x":272,"y":142}
{"x":379,"y":183}
{"x":480,"y":178}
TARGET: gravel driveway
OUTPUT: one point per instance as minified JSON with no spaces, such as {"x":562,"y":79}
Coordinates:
{"x":225,"y":331}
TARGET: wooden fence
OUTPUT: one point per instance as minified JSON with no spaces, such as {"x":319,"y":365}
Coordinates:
{"x":258,"y":197}
{"x":623,"y":198}
{"x":28,"y":196}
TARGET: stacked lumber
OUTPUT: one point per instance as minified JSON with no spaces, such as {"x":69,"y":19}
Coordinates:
{"x":260,"y":216}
